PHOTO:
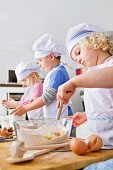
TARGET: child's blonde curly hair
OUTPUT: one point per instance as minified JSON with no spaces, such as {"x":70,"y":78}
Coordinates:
{"x":37,"y":77}
{"x":32,"y":79}
{"x":98,"y":40}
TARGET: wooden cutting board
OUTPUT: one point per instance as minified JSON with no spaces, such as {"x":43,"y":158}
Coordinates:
{"x":53,"y":160}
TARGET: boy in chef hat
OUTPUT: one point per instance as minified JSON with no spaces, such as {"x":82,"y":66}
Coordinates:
{"x":28,"y":74}
{"x":47,"y":54}
{"x":92,"y":47}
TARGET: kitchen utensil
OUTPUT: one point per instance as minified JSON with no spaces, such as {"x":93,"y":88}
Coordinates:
{"x":59,"y":111}
{"x":20,"y":153}
{"x":43,"y":132}
{"x":28,"y":155}
{"x":63,"y":149}
{"x":53,"y":146}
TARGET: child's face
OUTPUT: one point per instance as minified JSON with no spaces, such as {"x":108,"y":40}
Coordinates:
{"x":45,"y":63}
{"x":84,"y":56}
{"x":28,"y":80}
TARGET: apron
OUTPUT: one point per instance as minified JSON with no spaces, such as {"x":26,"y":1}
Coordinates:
{"x":50,"y":110}
{"x":99,"y":112}
{"x":29,"y":95}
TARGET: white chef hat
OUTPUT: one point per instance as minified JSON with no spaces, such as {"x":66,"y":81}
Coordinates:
{"x":24,"y":69}
{"x":79,"y":31}
{"x":46,"y":45}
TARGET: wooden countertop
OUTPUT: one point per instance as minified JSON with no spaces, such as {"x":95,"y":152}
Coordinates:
{"x":53,"y":160}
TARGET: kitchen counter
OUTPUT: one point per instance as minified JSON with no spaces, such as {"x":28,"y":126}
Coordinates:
{"x":53,"y":160}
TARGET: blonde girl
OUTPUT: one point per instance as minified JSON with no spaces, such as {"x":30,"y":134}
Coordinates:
{"x":92,"y":47}
{"x":28,"y":75}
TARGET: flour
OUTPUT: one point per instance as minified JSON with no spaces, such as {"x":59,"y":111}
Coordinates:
{"x":43,"y":135}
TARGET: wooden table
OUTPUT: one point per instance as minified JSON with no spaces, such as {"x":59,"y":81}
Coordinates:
{"x":53,"y":160}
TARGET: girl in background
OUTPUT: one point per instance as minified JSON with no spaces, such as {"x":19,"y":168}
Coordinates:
{"x":27,"y":74}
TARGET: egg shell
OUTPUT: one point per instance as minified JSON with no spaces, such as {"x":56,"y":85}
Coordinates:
{"x":94,"y":143}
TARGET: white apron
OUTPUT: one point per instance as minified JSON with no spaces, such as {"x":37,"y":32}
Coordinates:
{"x":99,"y":111}
{"x":50,"y":110}
{"x":29,"y":95}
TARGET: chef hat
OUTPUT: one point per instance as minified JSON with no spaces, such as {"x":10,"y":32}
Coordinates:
{"x":46,"y":45}
{"x":79,"y":31}
{"x":24,"y":69}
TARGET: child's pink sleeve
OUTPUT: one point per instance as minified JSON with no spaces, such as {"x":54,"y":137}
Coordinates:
{"x":23,"y":102}
{"x":38,"y":89}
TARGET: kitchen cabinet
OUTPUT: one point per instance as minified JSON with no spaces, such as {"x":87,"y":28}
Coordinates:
{"x":7,"y":90}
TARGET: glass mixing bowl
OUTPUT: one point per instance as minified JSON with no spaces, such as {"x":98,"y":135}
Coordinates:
{"x":43,"y":132}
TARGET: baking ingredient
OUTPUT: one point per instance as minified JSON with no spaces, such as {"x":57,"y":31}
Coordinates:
{"x":78,"y":146}
{"x":46,"y":134}
{"x":94,"y":143}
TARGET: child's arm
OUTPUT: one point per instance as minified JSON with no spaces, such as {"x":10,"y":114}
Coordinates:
{"x":10,"y":103}
{"x":47,"y":98}
{"x":20,"y":110}
{"x":101,"y":78}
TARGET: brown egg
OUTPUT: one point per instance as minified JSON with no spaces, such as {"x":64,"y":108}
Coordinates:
{"x":78,"y":146}
{"x":94,"y":143}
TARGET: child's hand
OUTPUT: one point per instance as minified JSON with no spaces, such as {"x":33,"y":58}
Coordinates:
{"x":19,"y":111}
{"x":7,"y":104}
{"x":65,"y":91}
{"x":79,"y":118}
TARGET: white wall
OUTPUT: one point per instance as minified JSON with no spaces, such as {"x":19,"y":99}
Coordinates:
{"x":23,"y":21}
